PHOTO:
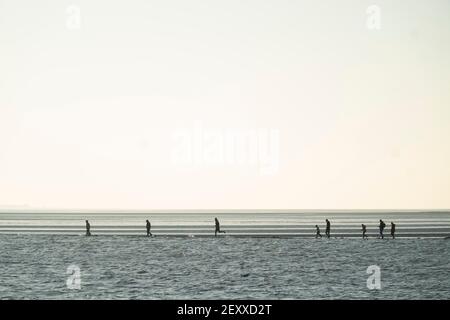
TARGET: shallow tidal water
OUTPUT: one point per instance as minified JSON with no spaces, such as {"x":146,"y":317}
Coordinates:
{"x":136,"y":267}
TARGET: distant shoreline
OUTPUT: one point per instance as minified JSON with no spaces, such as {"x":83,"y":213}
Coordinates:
{"x":237,"y":236}
{"x":292,"y":223}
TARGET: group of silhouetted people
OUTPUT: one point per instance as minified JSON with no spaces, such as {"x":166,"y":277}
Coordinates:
{"x":327,"y":230}
{"x":148,"y":226}
{"x":382,"y":226}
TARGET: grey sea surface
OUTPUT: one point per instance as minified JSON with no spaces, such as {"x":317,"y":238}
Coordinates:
{"x":267,"y":263}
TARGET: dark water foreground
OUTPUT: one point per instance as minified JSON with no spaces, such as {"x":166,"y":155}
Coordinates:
{"x":134,"y":267}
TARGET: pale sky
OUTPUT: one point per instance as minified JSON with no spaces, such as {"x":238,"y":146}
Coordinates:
{"x":89,"y":107}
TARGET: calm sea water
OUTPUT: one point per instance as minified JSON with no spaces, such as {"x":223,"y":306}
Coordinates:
{"x":117,"y":266}
{"x":34,"y":267}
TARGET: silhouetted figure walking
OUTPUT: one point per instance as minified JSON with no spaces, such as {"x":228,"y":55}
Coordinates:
{"x":393,"y":230}
{"x":327,"y":229}
{"x":148,"y":226}
{"x":88,"y":228}
{"x":382,"y":226}
{"x":364,"y":230}
{"x":318,"y":235}
{"x":217,"y":227}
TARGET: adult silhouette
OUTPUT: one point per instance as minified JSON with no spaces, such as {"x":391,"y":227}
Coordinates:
{"x":88,"y":228}
{"x":327,"y":229}
{"x":382,"y":226}
{"x":148,"y":227}
{"x":217,"y":227}
{"x":393,"y":230}
{"x":364,"y":230}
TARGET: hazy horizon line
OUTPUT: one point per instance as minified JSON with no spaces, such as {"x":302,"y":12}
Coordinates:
{"x":4,"y":210}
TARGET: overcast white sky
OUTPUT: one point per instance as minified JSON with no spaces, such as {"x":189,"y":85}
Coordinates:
{"x":88,"y":114}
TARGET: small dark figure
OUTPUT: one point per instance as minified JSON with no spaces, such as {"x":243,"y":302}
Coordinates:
{"x":393,"y":230}
{"x":318,"y":235}
{"x":148,"y":226}
{"x":88,"y":228}
{"x":327,"y":229}
{"x":364,"y":230}
{"x":217,"y":227}
{"x":382,"y":226}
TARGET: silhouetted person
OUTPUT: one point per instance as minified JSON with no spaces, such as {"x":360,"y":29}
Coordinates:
{"x":148,"y":226}
{"x":318,"y":235}
{"x":364,"y":230}
{"x":327,"y":229}
{"x":217,"y":227}
{"x":382,"y":226}
{"x":393,"y":230}
{"x":88,"y":228}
